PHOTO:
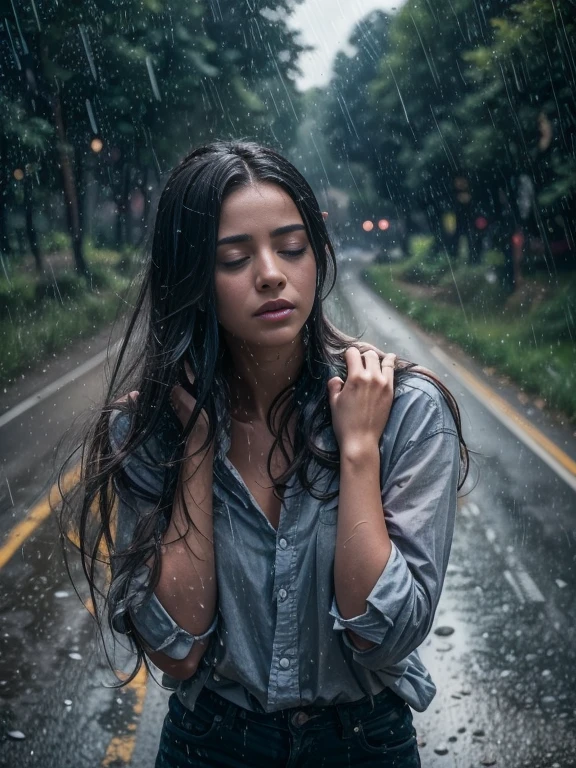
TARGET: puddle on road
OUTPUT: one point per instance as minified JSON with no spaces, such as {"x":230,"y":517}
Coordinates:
{"x":504,"y":675}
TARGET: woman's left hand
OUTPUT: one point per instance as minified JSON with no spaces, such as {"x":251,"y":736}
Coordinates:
{"x":361,"y":405}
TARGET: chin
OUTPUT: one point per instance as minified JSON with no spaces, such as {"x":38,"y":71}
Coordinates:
{"x":278,"y":337}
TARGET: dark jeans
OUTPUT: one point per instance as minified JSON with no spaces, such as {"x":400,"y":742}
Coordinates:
{"x":219,"y":733}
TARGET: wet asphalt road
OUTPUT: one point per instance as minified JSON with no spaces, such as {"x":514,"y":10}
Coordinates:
{"x":504,"y":667}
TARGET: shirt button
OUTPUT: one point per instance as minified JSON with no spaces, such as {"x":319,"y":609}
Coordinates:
{"x":282,"y":543}
{"x":284,"y":663}
{"x":282,"y":594}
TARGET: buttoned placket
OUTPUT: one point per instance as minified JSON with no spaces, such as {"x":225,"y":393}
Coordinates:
{"x":284,"y":683}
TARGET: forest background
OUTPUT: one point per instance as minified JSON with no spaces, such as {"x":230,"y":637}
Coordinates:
{"x":444,"y":143}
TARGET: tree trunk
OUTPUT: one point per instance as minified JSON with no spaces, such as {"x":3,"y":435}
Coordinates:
{"x":70,"y":189}
{"x":504,"y":230}
{"x":30,"y":228}
{"x":464,"y":229}
{"x":443,"y":240}
{"x":80,"y":174}
{"x":5,"y":249}
{"x":147,"y":205}
{"x":123,"y":229}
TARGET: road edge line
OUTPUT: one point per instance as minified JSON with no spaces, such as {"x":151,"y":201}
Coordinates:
{"x":531,"y":436}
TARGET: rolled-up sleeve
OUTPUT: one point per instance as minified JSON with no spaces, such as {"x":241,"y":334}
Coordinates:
{"x":152,"y":622}
{"x":143,"y":473}
{"x":419,"y":497}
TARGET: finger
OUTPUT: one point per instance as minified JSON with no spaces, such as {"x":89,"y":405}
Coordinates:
{"x":131,"y":396}
{"x":188,"y":370}
{"x":354,"y":361}
{"x":371,"y":362}
{"x":335,"y":385}
{"x":388,"y":362}
{"x":363,"y":346}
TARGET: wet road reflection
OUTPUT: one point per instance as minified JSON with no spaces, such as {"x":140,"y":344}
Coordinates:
{"x":501,"y":654}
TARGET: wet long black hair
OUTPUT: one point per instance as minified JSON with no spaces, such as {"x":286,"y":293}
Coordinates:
{"x":174,"y":322}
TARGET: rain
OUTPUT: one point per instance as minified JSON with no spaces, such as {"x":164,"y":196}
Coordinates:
{"x":440,"y":138}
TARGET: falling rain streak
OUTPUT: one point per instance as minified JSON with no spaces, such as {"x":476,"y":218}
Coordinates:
{"x":86,"y":44}
{"x":91,"y":116}
{"x":152,"y":76}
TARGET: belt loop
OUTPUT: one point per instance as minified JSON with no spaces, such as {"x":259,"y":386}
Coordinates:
{"x":343,"y":713}
{"x":372,"y":702}
{"x":230,"y":716}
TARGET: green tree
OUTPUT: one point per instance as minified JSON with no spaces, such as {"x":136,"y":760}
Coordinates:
{"x":139,"y":82}
{"x":351,"y":123}
{"x":519,"y":121}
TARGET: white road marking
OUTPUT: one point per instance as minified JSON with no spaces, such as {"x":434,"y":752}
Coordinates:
{"x":523,"y":585}
{"x":50,"y":389}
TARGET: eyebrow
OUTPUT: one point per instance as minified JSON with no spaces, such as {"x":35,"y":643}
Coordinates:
{"x":274,"y":233}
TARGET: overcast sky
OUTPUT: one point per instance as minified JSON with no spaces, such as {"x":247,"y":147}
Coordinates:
{"x":326,"y":24}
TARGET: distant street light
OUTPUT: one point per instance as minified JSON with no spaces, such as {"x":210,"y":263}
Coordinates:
{"x":18,"y":174}
{"x":384,"y":224}
{"x":96,"y":145}
{"x":368,"y":226}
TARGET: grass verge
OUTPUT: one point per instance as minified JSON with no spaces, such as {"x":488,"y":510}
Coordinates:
{"x":527,"y":336}
{"x":40,"y":317}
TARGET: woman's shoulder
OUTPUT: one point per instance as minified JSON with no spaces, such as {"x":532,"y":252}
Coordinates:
{"x":420,"y":407}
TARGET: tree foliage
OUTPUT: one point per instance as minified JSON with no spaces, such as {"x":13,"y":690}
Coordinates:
{"x":117,"y":90}
{"x":469,"y":109}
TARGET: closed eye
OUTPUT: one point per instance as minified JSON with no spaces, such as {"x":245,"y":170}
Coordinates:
{"x":239,"y":262}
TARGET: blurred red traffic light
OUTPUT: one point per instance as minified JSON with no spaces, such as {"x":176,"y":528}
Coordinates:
{"x":481,"y":222}
{"x":368,"y":226}
{"x":383,"y":224}
{"x":518,"y":239}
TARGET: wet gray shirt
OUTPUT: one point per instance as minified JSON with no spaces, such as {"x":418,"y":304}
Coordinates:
{"x":278,"y":639}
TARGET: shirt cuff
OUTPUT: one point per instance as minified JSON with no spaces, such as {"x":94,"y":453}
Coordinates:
{"x":385,"y":603}
{"x":153,"y":623}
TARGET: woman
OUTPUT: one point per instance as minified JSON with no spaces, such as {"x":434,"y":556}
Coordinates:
{"x":285,"y":495}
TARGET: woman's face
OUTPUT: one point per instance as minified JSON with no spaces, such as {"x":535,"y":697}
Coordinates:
{"x":263,"y":254}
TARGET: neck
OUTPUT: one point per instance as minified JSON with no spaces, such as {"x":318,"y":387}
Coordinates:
{"x":259,"y":374}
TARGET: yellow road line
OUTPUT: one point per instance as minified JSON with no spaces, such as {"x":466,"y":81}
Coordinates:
{"x":554,"y":456}
{"x":35,"y":517}
{"x":121,"y":748}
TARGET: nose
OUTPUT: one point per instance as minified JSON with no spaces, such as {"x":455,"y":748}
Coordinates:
{"x":269,"y":272}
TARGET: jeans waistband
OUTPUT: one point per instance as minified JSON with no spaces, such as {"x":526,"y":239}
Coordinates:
{"x":343,"y":714}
